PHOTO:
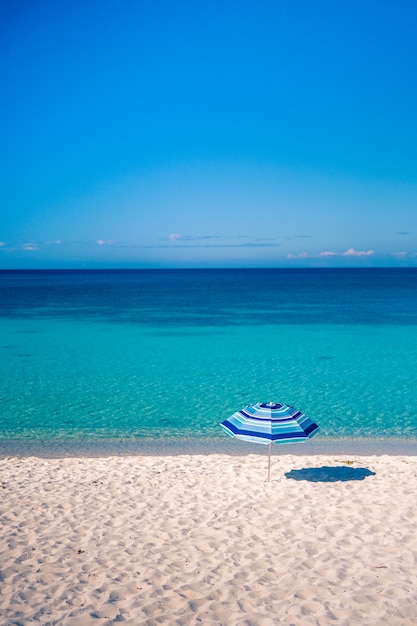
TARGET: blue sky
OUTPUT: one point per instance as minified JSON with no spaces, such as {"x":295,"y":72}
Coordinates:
{"x":207,"y":134}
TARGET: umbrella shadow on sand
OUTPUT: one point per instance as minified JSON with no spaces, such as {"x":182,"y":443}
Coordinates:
{"x":330,"y":474}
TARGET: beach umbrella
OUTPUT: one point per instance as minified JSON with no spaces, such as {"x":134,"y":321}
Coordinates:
{"x":269,"y":423}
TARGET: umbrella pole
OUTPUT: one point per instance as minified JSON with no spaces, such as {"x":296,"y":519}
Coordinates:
{"x":269,"y":461}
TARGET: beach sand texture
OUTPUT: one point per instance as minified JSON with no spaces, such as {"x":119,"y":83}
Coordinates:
{"x":206,"y":540}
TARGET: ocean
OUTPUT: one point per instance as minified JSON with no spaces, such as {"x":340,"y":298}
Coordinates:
{"x":154,"y":360}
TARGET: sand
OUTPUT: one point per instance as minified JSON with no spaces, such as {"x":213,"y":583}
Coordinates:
{"x":206,"y":540}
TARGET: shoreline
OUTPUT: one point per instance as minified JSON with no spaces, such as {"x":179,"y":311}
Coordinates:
{"x":103,"y":447}
{"x":204,"y":539}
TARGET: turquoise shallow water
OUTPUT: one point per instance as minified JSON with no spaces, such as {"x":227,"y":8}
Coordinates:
{"x":69,"y":376}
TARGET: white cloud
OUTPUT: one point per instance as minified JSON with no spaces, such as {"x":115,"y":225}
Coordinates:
{"x":174,"y":236}
{"x":302,"y":255}
{"x":105,"y":242}
{"x":30,"y":246}
{"x":351,"y":252}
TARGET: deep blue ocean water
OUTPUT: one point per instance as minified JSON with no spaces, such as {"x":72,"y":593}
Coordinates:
{"x":159,"y":357}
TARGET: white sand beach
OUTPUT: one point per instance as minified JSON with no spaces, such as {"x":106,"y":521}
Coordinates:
{"x":206,"y":540}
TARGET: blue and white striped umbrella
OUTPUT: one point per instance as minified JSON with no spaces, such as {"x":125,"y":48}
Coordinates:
{"x":269,"y":423}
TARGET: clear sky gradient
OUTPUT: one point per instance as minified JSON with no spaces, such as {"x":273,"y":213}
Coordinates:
{"x":162,"y":133}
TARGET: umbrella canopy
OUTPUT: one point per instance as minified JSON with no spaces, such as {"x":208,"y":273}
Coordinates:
{"x":269,"y":423}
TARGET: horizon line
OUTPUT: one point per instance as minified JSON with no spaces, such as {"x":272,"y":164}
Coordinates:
{"x":203,"y":269}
